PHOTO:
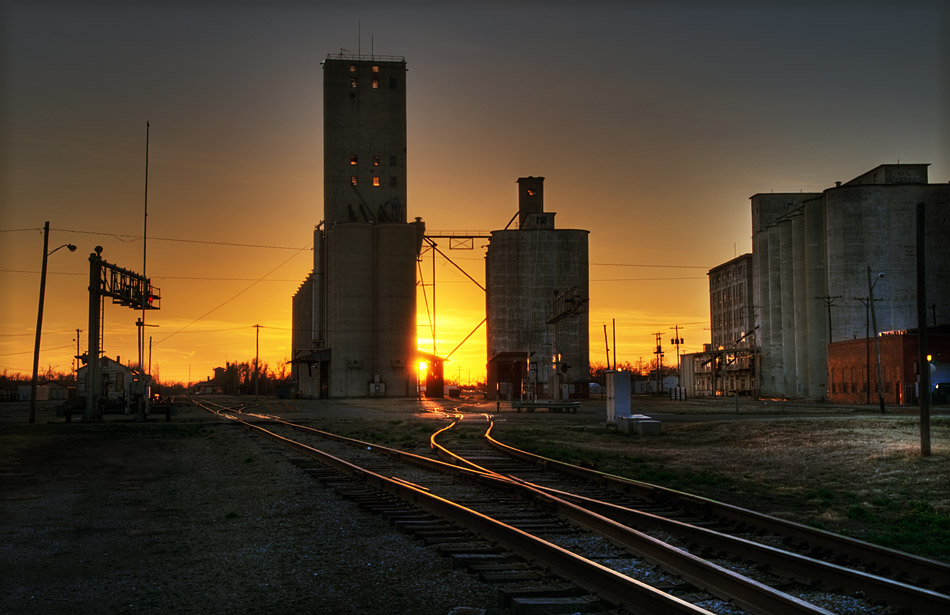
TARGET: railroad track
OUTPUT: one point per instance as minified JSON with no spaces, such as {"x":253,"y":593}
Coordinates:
{"x":534,"y":507}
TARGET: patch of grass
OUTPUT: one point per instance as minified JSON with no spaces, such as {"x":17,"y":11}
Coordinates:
{"x":857,"y":476}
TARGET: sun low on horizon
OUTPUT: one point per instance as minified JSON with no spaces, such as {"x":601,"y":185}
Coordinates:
{"x":652,"y":124}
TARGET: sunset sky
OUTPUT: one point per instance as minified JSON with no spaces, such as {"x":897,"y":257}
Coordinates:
{"x":652,"y":123}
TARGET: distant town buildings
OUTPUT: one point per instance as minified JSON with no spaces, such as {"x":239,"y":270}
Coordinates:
{"x":537,"y":290}
{"x":728,"y":363}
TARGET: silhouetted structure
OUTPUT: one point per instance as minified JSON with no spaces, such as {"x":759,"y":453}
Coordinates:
{"x":537,"y":288}
{"x":355,"y":314}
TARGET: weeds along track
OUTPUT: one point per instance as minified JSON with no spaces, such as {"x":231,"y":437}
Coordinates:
{"x":569,"y":532}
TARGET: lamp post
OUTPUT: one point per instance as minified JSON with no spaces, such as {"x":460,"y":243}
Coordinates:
{"x":877,"y":341}
{"x":39,"y":317}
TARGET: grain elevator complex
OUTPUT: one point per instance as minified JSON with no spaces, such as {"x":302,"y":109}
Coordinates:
{"x":354,"y":331}
{"x":354,"y":316}
{"x":536,"y":304}
{"x":830,"y":286}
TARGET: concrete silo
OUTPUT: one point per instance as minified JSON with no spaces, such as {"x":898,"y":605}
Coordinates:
{"x":871,"y":223}
{"x":773,"y":288}
{"x":817,"y":257}
{"x":362,"y":336}
{"x":537,"y":287}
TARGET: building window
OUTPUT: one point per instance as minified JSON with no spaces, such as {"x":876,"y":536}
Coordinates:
{"x":392,"y":161}
{"x":352,"y":83}
{"x":392,"y":84}
{"x":376,"y":181}
{"x":352,"y":180}
{"x":375,"y":161}
{"x":352,"y":68}
{"x":353,"y":159}
{"x":375,"y":84}
{"x":375,"y":68}
{"x":392,"y":181}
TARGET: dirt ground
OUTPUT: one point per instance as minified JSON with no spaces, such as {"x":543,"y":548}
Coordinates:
{"x":197,"y":515}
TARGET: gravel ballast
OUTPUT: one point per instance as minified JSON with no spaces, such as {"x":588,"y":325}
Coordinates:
{"x":198,"y":517}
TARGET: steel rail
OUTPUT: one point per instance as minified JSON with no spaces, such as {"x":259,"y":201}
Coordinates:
{"x":613,"y":522}
{"x":928,"y":572}
{"x":752,"y":595}
{"x":612,"y":586}
{"x":784,"y":563}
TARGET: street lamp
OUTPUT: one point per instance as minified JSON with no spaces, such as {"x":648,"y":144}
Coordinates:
{"x":877,"y":341}
{"x":39,"y":317}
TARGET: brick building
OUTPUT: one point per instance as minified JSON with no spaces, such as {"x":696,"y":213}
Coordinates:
{"x":850,"y":362}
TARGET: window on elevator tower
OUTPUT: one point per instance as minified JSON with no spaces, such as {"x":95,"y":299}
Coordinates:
{"x":352,"y":180}
{"x":376,"y":181}
{"x":352,"y":83}
{"x":375,"y":84}
{"x":375,"y":161}
{"x":353,"y":159}
{"x":375,"y":68}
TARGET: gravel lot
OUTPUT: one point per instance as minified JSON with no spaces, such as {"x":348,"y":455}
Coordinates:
{"x":196,"y":516}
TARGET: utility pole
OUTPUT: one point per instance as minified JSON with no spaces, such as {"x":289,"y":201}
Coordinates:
{"x":659,"y":363}
{"x":146,"y":376}
{"x":39,"y":324}
{"x":76,"y":362}
{"x":677,"y":341}
{"x":606,"y":346}
{"x":829,"y":301}
{"x":877,"y":339}
{"x":922,"y":335}
{"x":866,"y":302}
{"x":614,"y":329}
{"x":39,"y":317}
{"x":257,"y":348}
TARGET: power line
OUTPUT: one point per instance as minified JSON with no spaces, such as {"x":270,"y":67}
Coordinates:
{"x":235,"y":296}
{"x":10,"y":354}
{"x":128,"y":238}
{"x":134,"y":238}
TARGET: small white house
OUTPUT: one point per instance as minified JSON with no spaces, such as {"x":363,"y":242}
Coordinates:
{"x":116,"y":379}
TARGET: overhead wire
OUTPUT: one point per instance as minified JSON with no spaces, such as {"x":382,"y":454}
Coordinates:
{"x":236,"y":295}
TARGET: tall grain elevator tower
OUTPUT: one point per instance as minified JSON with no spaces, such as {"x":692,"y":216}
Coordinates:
{"x":355,"y":315}
{"x":537,"y":287}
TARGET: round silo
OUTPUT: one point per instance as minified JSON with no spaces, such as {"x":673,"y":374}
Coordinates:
{"x":773,"y":380}
{"x":800,"y":304}
{"x":786,"y":264}
{"x":395,"y":306}
{"x":871,"y":226}
{"x":349,"y":307}
{"x":815,"y":296}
